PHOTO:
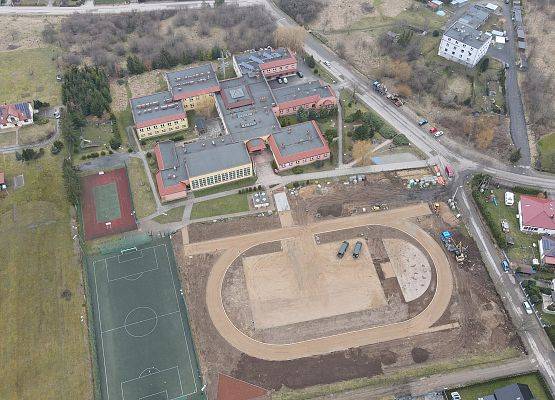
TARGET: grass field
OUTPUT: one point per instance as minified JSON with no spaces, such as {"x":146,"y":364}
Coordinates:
{"x":143,"y":198}
{"x":173,"y":215}
{"x":36,"y":132}
{"x":26,"y":75}
{"x":546,"y":147}
{"x":228,"y":186}
{"x":534,"y":381}
{"x":44,"y":344}
{"x":234,"y":203}
{"x":7,"y":138}
{"x":523,"y":250}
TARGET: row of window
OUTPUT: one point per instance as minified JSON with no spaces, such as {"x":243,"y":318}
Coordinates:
{"x":303,"y":161}
{"x":291,"y":110}
{"x":221,"y":177}
{"x":471,"y":49}
{"x":277,"y":69}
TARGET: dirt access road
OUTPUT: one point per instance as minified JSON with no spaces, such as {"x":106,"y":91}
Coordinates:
{"x":233,"y":247}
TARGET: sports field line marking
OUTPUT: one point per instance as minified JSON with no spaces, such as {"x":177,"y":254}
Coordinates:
{"x":100,"y":323}
{"x":182,"y":326}
{"x":165,"y":391}
{"x":131,"y":259}
{"x":116,"y":256}
{"x":127,"y":277}
{"x":155,"y":373}
{"x":140,"y":322}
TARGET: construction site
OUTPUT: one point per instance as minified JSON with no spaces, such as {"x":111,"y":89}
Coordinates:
{"x":270,"y":297}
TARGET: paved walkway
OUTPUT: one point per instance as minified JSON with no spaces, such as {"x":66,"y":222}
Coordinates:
{"x":235,"y":246}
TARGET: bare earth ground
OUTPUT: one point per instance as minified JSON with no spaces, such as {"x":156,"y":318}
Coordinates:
{"x":484,"y":327}
{"x":119,"y":97}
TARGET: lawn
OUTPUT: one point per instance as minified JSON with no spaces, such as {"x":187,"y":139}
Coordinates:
{"x":143,"y":198}
{"x":231,"y":204}
{"x":124,"y":119}
{"x":228,"y":186}
{"x":546,"y":147}
{"x":321,"y":72}
{"x":97,"y":133}
{"x":534,"y":381}
{"x":26,"y":75}
{"x":523,"y":250}
{"x":173,"y":215}
{"x":37,"y":132}
{"x":45,"y":350}
{"x":7,"y":138}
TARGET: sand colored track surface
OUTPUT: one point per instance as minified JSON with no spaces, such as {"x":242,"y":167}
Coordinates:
{"x":233,"y":247}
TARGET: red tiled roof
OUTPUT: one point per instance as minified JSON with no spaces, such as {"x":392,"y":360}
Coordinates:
{"x":164,"y":191}
{"x":234,"y":389}
{"x":278,"y":63}
{"x":537,"y":212}
{"x":11,"y":109}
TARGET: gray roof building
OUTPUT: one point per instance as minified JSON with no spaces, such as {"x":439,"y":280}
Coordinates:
{"x":156,"y":108}
{"x":192,"y":81}
{"x":249,"y":61}
{"x":466,"y":34}
{"x":215,"y":158}
{"x":289,"y":93}
{"x":250,"y":114}
{"x":475,"y":16}
{"x":516,"y":391}
{"x":520,"y":33}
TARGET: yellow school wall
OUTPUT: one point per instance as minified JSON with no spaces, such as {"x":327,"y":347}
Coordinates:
{"x":204,"y":181}
{"x":162,"y":129}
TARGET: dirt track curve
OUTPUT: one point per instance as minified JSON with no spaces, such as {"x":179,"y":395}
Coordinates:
{"x":232,"y":247}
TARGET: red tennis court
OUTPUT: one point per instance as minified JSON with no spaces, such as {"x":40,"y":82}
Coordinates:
{"x":106,"y":204}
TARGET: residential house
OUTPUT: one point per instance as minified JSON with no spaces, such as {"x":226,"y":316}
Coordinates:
{"x":536,"y":215}
{"x":15,"y":115}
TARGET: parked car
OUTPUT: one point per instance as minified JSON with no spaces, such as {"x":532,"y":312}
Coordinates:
{"x":505,"y":225}
{"x":342,"y":249}
{"x":422,"y":121}
{"x":509,"y":198}
{"x":438,"y":134}
{"x":527,"y":307}
{"x":505,"y":265}
{"x":300,"y":74}
{"x":327,"y":63}
{"x":284,"y":79}
{"x":57,"y":114}
{"x":455,"y":396}
{"x":357,"y":249}
{"x":280,"y":80}
{"x":433,"y":129}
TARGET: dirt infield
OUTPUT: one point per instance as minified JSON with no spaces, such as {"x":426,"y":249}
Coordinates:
{"x":233,"y":247}
{"x":92,"y":226}
{"x":307,"y":282}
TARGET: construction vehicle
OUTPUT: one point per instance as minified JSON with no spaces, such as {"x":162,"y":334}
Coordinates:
{"x":379,"y":87}
{"x":394,"y":98}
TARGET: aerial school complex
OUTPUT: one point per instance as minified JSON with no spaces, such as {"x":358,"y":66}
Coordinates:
{"x":248,"y":109}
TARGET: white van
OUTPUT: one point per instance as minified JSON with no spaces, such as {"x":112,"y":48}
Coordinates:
{"x":527,"y":307}
{"x":509,"y":198}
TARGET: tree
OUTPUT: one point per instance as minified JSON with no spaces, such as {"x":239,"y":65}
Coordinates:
{"x":330,"y":134}
{"x":515,"y":156}
{"x":216,"y":52}
{"x":310,"y":61}
{"x":362,"y":132}
{"x":28,"y":154}
{"x":484,"y":64}
{"x":373,"y":121}
{"x":71,"y":182}
{"x":302,"y":114}
{"x":292,"y":37}
{"x":218,"y":3}
{"x":134,"y":65}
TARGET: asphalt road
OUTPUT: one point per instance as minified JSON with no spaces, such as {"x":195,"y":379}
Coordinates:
{"x":513,"y":98}
{"x":532,"y":334}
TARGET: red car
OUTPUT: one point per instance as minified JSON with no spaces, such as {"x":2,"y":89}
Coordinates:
{"x":433,"y":130}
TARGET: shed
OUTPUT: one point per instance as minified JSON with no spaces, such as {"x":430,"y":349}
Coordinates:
{"x":520,"y":33}
{"x":521,"y":45}
{"x":492,"y":7}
